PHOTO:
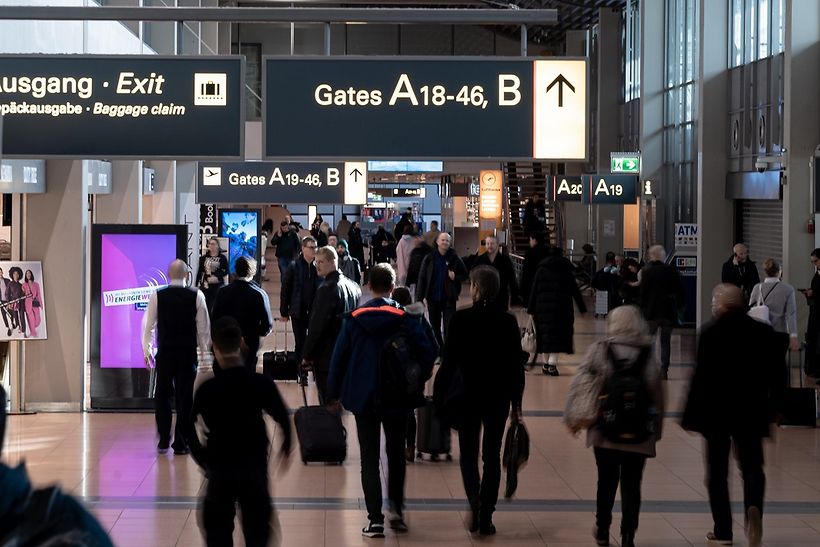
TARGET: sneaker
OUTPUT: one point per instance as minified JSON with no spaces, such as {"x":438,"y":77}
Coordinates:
{"x":373,"y":530}
{"x":754,"y":527}
{"x":396,"y":522}
{"x":713,"y":539}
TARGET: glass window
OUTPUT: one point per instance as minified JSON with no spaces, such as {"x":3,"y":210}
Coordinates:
{"x":763,"y":15}
{"x":736,"y":33}
{"x":750,"y":30}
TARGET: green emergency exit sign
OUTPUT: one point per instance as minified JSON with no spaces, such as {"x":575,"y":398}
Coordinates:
{"x":624,"y":162}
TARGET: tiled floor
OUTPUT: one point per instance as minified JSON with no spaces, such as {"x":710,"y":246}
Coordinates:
{"x":143,"y":499}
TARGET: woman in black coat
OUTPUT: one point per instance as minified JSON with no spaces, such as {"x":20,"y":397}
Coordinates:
{"x":550,"y":305}
{"x":355,"y":243}
{"x":538,"y":251}
{"x":213,"y":269}
{"x":492,"y":375}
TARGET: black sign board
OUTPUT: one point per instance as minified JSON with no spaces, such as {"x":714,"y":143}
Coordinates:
{"x":409,"y":192}
{"x":282,"y":182}
{"x":148,"y":107}
{"x":565,"y":188}
{"x":610,"y":189}
{"x":423,"y":108}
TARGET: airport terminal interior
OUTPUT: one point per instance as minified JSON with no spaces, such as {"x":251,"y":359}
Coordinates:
{"x":615,"y":138}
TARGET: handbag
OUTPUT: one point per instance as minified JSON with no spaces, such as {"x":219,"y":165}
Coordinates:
{"x":516,"y":454}
{"x":35,"y":303}
{"x":582,"y":406}
{"x":528,"y":341}
{"x":760,"y":311}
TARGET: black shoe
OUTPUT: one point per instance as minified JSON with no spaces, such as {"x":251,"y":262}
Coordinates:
{"x":550,"y":370}
{"x":373,"y":530}
{"x":182,"y":451}
{"x":474,"y":522}
{"x":754,"y":526}
{"x":486,"y":527}
{"x":396,"y":522}
{"x":162,"y":448}
{"x":628,"y":540}
{"x":601,"y":536}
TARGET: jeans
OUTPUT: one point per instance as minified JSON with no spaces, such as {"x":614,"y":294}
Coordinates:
{"x":482,"y":492}
{"x":439,"y":311}
{"x":284,"y":263}
{"x":665,"y":327}
{"x":368,"y":427}
{"x":626,"y":468}
{"x":175,"y":376}
{"x":224,"y":489}
{"x":749,"y":454}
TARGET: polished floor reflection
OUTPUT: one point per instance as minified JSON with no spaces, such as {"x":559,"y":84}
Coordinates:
{"x":143,"y":499}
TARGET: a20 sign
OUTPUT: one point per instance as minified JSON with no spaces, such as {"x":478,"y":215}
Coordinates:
{"x":594,"y":189}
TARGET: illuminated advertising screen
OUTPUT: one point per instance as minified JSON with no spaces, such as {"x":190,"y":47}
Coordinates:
{"x":241,"y":228}
{"x":129,"y":264}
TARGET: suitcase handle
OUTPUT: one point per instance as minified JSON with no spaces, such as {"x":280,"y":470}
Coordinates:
{"x":284,"y":331}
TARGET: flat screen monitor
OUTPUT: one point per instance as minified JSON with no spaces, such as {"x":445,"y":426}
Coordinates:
{"x":129,"y":263}
{"x":405,"y":166}
{"x":241,"y":228}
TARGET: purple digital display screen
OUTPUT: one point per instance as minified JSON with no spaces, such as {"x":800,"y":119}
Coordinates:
{"x":132,"y":267}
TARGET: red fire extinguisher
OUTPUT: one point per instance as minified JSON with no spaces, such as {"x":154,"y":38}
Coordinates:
{"x":810,"y":226}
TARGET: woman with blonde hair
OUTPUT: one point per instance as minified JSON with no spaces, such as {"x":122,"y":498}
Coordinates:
{"x":618,"y":397}
{"x":779,"y":297}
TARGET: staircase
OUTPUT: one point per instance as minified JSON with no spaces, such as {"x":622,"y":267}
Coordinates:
{"x":522,"y":181}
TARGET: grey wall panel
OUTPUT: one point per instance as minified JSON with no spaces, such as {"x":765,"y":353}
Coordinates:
{"x":426,"y":40}
{"x":473,"y":41}
{"x":372,"y":40}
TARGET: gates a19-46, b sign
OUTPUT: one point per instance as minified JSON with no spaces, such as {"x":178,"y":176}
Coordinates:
{"x":425,"y":108}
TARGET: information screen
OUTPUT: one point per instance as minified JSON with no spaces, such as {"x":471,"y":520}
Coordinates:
{"x":129,"y":263}
{"x":133,"y":266}
{"x":241,"y":227}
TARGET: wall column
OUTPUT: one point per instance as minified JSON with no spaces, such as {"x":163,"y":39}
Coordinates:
{"x":124,"y":204}
{"x":714,"y":212}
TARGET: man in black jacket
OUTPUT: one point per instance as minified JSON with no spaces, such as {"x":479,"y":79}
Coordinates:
{"x":661,"y":298}
{"x":538,"y":251}
{"x":740,"y":271}
{"x":440,"y":278}
{"x":736,"y":390}
{"x":383,"y":246}
{"x":287,"y":246}
{"x":179,"y":314}
{"x":246,"y":302}
{"x":336,"y":296}
{"x":504,"y":266}
{"x":298,"y":292}
{"x":235,"y":457}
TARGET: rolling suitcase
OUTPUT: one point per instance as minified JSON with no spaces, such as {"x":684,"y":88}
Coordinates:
{"x":432,"y":436}
{"x":322,"y":437}
{"x":799,"y":403}
{"x":280,"y":364}
{"x":601,"y":303}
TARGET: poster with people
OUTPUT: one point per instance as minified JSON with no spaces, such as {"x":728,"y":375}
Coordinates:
{"x":22,"y":301}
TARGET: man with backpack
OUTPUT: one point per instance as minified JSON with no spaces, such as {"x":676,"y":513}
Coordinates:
{"x":380,"y":364}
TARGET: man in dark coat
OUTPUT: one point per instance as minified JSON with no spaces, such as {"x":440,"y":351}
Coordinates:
{"x":417,"y":255}
{"x":246,"y":302}
{"x":287,"y":245}
{"x":812,"y":364}
{"x":503,"y":265}
{"x":405,"y":221}
{"x":550,"y":305}
{"x":736,"y":390}
{"x":538,"y":251}
{"x":740,"y":271}
{"x":439,"y":284}
{"x":535,"y":215}
{"x":493,"y":382}
{"x":298,"y":292}
{"x":661,"y":298}
{"x":336,"y":296}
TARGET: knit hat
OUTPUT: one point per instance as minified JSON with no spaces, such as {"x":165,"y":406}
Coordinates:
{"x":343,"y":243}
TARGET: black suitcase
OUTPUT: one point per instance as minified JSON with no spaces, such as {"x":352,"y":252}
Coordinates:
{"x":799,"y":403}
{"x":280,"y":364}
{"x":432,"y":436}
{"x":322,"y":437}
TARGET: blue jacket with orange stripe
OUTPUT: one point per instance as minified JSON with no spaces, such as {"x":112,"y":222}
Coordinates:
{"x":353,"y":378}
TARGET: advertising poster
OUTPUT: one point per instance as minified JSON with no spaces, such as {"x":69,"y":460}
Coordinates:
{"x":241,"y":227}
{"x":132,"y":267}
{"x":22,"y":301}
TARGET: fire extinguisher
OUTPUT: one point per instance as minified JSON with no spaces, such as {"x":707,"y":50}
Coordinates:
{"x":810,"y":226}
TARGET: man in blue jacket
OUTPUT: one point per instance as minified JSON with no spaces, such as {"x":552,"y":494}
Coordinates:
{"x":354,"y":382}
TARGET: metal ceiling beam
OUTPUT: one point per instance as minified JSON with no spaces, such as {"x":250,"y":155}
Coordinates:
{"x":285,"y":15}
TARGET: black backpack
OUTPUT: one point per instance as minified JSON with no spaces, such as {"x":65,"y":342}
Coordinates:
{"x":626,"y":414}
{"x":401,"y":381}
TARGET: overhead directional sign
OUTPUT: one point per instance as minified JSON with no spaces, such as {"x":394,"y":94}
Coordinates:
{"x":268,"y":182}
{"x":565,"y":188}
{"x":425,"y":108}
{"x":617,"y":189}
{"x":121,"y":106}
{"x":625,"y":162}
